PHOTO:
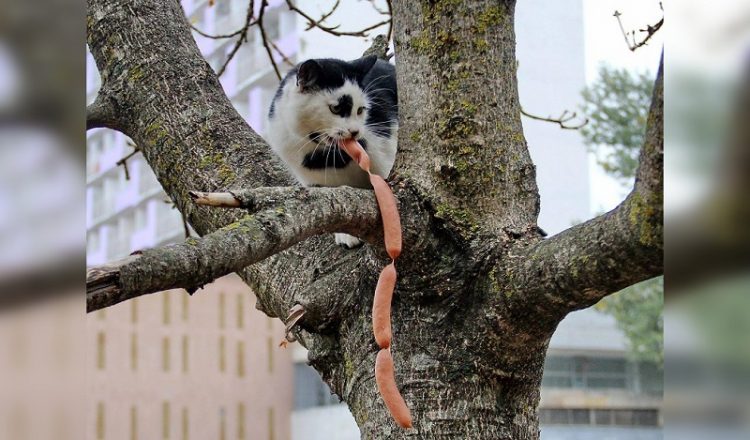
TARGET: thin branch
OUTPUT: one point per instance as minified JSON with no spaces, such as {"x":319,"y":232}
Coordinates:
{"x":249,"y":22}
{"x":312,"y":23}
{"x":124,"y":161}
{"x":100,"y":113}
{"x":390,"y":24}
{"x":285,"y":58}
{"x":578,"y":267}
{"x":265,"y":39}
{"x":649,"y":30}
{"x":562,"y":120}
{"x":285,"y":216}
{"x":323,"y":17}
{"x":216,"y":37}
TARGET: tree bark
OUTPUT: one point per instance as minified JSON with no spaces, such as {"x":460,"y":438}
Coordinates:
{"x":479,"y":292}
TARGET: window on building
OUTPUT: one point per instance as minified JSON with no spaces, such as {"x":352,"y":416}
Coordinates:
{"x":133,"y":423}
{"x":92,"y":242}
{"x":240,"y":310}
{"x":134,"y":351}
{"x":599,"y":417}
{"x":101,"y":346}
{"x":222,"y":354}
{"x":166,"y":308}
{"x":165,"y":355}
{"x":588,"y":373}
{"x":222,"y":424}
{"x":287,"y":22}
{"x":97,"y":202}
{"x":223,"y":8}
{"x":141,"y":218}
{"x":100,"y":428}
{"x":165,"y":422}
{"x":272,"y":26}
{"x":240,"y":421}
{"x":185,"y":306}
{"x":240,"y":359}
{"x":134,"y":310}
{"x":309,"y":389}
{"x":185,"y":353}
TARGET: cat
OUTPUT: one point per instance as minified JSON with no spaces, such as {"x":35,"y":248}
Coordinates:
{"x":323,"y":100}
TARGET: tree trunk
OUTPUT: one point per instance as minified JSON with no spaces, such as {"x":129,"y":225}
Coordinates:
{"x":480,"y":292}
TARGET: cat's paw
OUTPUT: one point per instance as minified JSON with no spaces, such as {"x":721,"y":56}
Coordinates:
{"x":347,"y":241}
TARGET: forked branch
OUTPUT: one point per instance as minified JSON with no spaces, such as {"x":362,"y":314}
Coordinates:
{"x":580,"y":266}
{"x":283,"y":217}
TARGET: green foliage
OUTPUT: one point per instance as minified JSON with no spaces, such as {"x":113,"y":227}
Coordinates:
{"x":617,"y":106}
{"x":638,"y":311}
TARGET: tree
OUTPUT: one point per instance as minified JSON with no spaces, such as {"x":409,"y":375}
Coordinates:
{"x":616,"y":106}
{"x":480,"y":290}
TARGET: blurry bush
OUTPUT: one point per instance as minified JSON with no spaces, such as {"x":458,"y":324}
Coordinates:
{"x":707,"y":217}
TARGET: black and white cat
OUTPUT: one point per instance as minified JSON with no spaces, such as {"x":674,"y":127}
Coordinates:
{"x":323,"y":100}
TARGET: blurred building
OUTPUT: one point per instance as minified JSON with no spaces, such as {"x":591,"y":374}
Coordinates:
{"x":172,"y":366}
{"x":156,"y":363}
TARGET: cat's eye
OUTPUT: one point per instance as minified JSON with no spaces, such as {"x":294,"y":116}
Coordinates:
{"x":360,"y":110}
{"x":334,"y":108}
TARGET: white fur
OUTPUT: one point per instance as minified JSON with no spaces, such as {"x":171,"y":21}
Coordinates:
{"x":298,"y":114}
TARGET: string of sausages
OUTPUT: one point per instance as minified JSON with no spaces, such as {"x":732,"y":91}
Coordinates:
{"x":381,"y":307}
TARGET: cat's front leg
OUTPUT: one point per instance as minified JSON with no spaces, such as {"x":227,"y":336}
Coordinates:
{"x":347,"y":241}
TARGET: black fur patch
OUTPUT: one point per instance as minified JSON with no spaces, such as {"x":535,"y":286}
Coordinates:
{"x":344,"y":106}
{"x":380,"y":87}
{"x":331,"y":157}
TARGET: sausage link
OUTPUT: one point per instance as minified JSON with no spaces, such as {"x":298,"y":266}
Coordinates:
{"x":384,"y":376}
{"x":356,"y":152}
{"x":381,"y":306}
{"x":389,"y":213}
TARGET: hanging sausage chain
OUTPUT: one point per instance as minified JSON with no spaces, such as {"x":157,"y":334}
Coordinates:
{"x":381,"y":307}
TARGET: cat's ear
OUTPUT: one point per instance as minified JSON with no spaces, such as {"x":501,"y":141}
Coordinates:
{"x":308,"y":75}
{"x":363,"y":65}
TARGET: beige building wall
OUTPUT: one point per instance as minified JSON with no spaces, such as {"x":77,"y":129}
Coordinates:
{"x":174,"y":366}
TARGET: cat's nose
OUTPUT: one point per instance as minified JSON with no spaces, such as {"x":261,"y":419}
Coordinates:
{"x":354,"y":133}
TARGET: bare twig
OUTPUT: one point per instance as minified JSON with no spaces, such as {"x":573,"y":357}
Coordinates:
{"x":562,"y":120}
{"x":124,"y":161}
{"x":630,"y":38}
{"x":249,"y":22}
{"x":218,"y":199}
{"x":323,"y":17}
{"x":265,"y":38}
{"x":313,"y":23}
{"x":216,"y":37}
{"x":284,"y":57}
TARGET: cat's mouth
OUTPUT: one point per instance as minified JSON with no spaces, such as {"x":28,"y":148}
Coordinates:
{"x":325,"y":140}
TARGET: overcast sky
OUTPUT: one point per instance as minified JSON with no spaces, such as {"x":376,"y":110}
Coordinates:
{"x":605,"y":44}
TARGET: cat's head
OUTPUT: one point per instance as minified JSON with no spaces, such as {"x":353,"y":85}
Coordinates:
{"x":332,"y":104}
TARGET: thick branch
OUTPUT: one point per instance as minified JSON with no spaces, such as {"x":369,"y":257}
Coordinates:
{"x":100,"y":114}
{"x":290,"y":215}
{"x":581,"y":265}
